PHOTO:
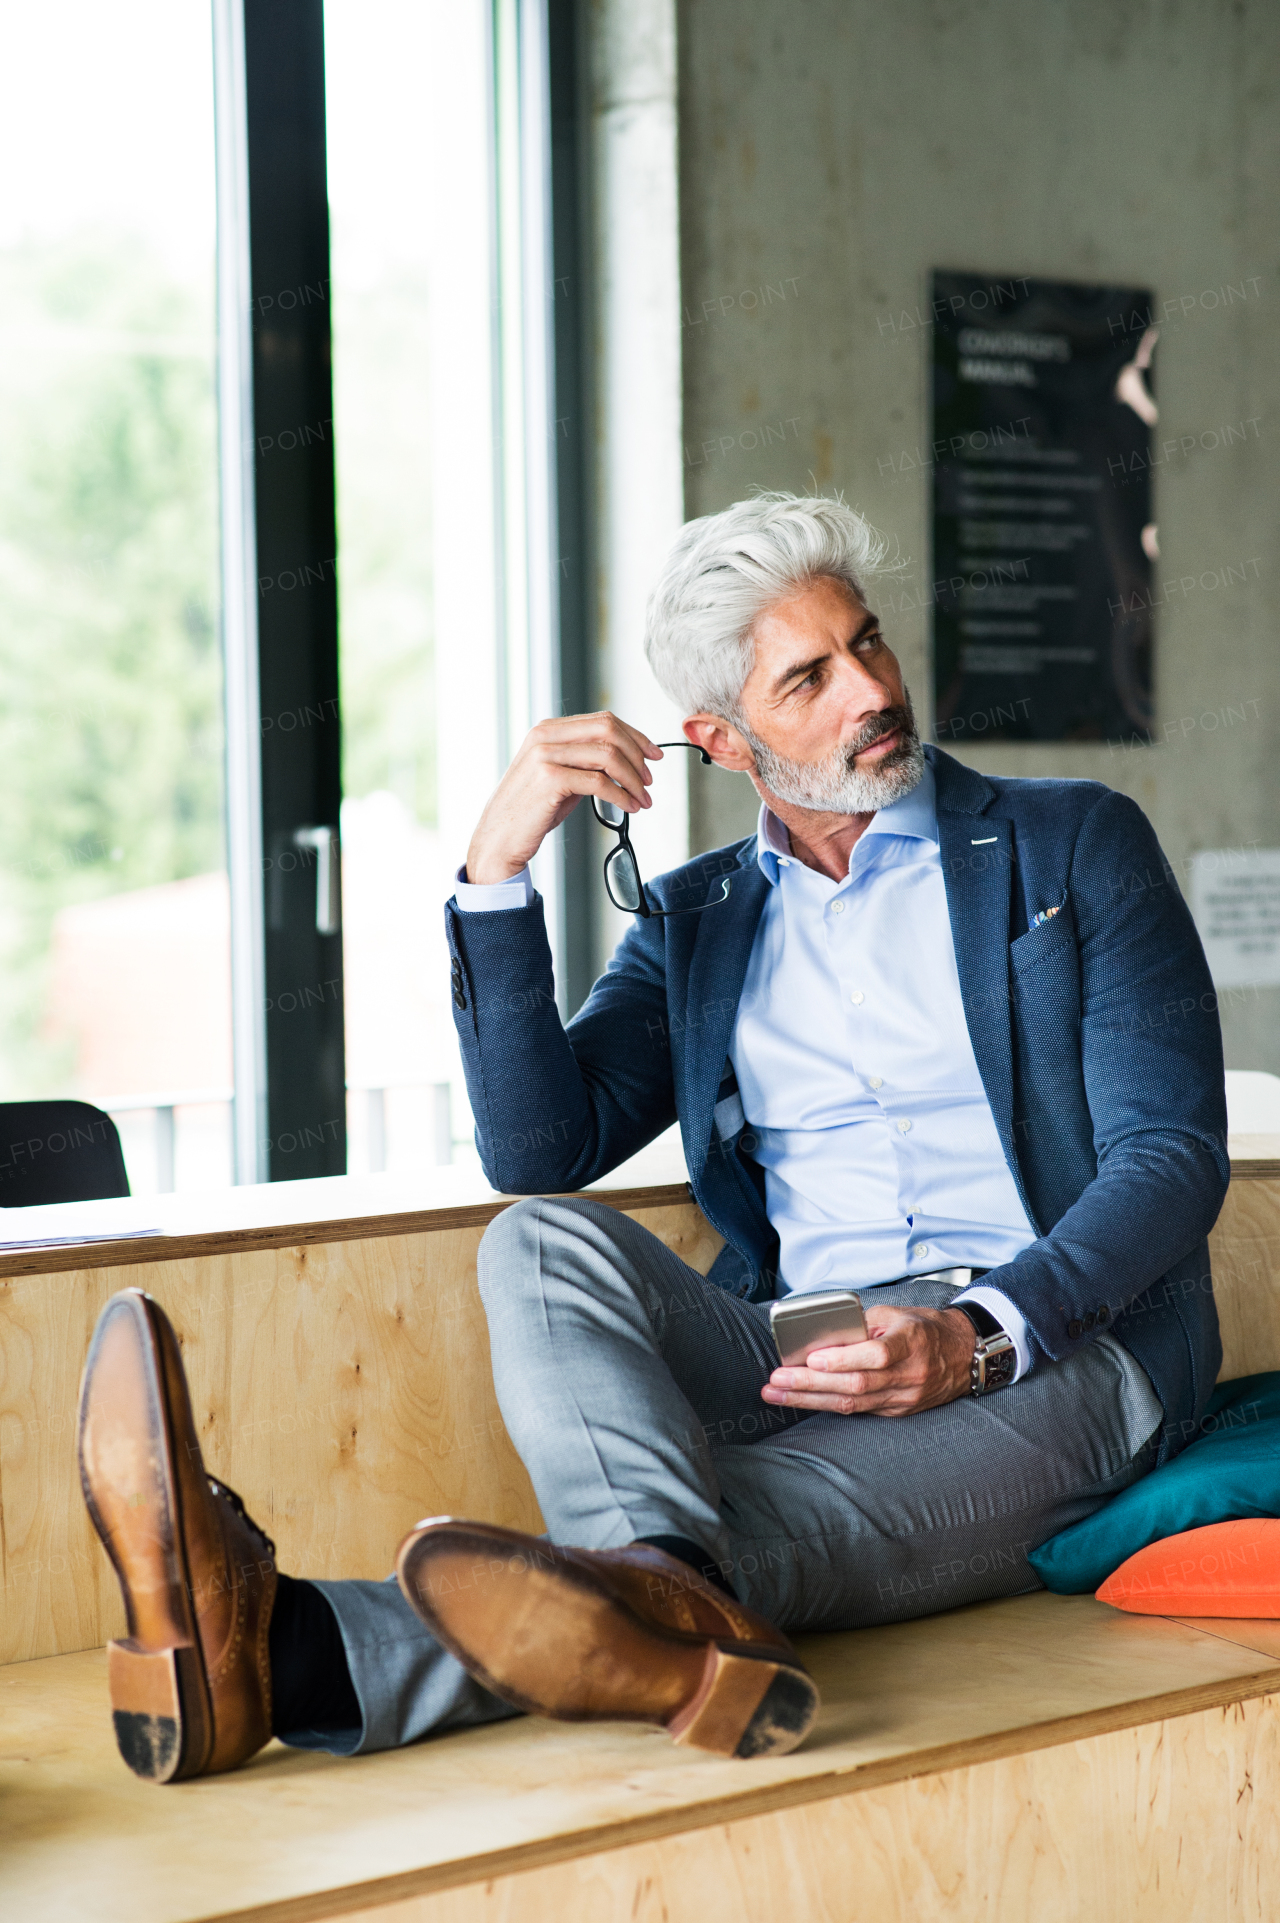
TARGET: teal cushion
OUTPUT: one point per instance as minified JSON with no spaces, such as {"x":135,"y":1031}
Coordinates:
{"x":1231,"y":1471}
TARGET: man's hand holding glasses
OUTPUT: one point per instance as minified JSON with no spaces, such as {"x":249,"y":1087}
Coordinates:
{"x":558,"y":764}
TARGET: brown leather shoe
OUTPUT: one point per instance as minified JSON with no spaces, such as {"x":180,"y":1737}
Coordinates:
{"x":604,"y":1635}
{"x":191,"y":1685}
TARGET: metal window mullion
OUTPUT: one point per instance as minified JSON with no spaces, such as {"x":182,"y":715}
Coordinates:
{"x":539,"y":361}
{"x":502,"y":743}
{"x":542,"y":624}
{"x":530,"y":611}
{"x":510,"y":477}
{"x":239,"y":597}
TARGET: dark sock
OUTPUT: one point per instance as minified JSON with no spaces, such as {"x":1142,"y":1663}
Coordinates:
{"x":686,"y":1551}
{"x":311,"y":1685}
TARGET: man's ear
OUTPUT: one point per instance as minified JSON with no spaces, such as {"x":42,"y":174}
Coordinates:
{"x":721,"y":740}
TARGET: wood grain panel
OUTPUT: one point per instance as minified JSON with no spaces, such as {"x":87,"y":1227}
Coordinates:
{"x":1262,"y":1636}
{"x":343,"y":1388}
{"x":1174,"y":1819}
{"x":179,"y":1244}
{"x":306,"y":1836}
{"x":346,"y":1208}
{"x":1244,"y":1249}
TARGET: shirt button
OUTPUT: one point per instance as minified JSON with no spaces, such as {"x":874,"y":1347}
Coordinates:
{"x":923,"y":1249}
{"x":903,"y":1126}
{"x":857,"y":997}
{"x":837,"y":908}
{"x":877,"y":1082}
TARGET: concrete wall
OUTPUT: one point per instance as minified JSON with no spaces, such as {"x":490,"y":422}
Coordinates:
{"x":834,"y":151}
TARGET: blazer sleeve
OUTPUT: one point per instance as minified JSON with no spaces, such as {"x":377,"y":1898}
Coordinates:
{"x":1151,"y":1052}
{"x":556,"y":1108}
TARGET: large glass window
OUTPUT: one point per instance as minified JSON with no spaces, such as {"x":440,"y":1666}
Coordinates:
{"x":114,"y":981}
{"x":409,"y":198}
{"x":114,"y":901}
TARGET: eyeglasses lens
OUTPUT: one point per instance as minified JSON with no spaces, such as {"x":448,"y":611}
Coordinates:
{"x":609,"y":813}
{"x":623,"y":879}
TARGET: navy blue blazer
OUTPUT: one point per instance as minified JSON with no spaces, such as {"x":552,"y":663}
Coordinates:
{"x":1096,"y":1035}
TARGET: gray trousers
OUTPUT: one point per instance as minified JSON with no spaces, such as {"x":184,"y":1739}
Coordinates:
{"x":631,"y":1390}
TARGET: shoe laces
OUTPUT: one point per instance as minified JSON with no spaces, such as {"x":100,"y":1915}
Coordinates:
{"x":229,"y":1495}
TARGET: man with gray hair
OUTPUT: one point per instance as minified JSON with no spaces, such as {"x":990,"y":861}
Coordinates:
{"x":944,"y":1039}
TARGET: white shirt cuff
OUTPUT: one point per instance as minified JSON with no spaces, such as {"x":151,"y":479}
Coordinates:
{"x":1011,"y":1320}
{"x":479,"y":897}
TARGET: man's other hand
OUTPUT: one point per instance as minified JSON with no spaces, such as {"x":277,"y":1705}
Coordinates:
{"x":557,"y":763}
{"x":912,"y":1359}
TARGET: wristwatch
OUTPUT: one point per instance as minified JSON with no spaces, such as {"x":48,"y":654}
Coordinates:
{"x":995,"y":1360}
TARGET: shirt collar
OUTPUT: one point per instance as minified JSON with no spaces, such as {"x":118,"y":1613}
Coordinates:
{"x":915,"y":816}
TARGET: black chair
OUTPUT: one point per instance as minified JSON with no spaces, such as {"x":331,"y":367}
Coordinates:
{"x":58,"y":1152}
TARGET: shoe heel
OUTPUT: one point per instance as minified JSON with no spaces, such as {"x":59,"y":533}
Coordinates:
{"x":747,"y":1707}
{"x":159,"y":1707}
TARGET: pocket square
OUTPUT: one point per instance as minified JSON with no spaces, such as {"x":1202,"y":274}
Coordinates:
{"x":1046,"y":914}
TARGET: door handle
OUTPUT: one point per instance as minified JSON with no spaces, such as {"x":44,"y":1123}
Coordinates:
{"x":327,"y":848}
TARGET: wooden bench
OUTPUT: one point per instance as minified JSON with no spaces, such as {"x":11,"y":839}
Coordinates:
{"x":1038,"y":1758}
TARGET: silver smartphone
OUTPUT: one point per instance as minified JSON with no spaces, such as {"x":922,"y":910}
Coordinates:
{"x":823,"y":1319}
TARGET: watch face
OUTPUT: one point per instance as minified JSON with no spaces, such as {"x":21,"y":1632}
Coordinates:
{"x":1000,"y":1370}
{"x":999,"y":1366}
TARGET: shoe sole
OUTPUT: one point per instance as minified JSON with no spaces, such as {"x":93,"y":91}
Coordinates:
{"x":480,"y":1587}
{"x":161,"y":1707}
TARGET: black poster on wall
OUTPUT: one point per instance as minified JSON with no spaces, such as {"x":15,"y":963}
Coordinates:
{"x":1043,"y":535}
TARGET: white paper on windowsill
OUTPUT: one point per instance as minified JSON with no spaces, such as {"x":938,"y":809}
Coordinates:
{"x":35,"y":1240}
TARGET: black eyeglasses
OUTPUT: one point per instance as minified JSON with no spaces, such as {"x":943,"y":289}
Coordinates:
{"x":621,"y":872}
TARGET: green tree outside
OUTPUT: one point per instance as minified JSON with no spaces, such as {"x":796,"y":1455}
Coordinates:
{"x":111,"y":729}
{"x":111,"y":739}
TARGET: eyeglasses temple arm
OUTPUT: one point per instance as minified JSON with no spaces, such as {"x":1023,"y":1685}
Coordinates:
{"x":702,"y":754}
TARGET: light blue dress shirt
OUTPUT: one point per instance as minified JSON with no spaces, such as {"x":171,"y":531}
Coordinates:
{"x":857,"y":1077}
{"x":855,"y":1071}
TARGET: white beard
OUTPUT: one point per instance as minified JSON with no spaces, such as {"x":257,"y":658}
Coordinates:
{"x":834,"y":786}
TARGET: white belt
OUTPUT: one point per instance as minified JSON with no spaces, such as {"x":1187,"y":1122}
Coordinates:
{"x":959,"y":1278}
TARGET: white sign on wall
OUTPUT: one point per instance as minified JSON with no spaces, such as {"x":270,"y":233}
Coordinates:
{"x":1235,"y":898}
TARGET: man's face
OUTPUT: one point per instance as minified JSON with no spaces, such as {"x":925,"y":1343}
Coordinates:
{"x":824,"y":707}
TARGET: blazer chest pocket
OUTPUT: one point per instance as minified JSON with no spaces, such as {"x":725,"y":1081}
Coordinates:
{"x":1053,"y":941}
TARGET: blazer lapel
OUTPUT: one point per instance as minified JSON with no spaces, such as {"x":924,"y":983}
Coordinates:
{"x":977,"y":863}
{"x":717,"y":969}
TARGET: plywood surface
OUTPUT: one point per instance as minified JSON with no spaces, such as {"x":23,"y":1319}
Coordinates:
{"x":1254,"y":1156}
{"x":349,"y":1207}
{"x":1244,"y":1249}
{"x":1264,"y":1637}
{"x":300,"y":1836}
{"x":1171,"y":1822}
{"x":334,"y":1208}
{"x":343,"y":1389}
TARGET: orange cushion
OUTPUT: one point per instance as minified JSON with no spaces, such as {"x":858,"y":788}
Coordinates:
{"x":1226,"y":1569}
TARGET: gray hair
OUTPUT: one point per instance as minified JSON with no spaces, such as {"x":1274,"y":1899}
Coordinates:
{"x":726,"y":569}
